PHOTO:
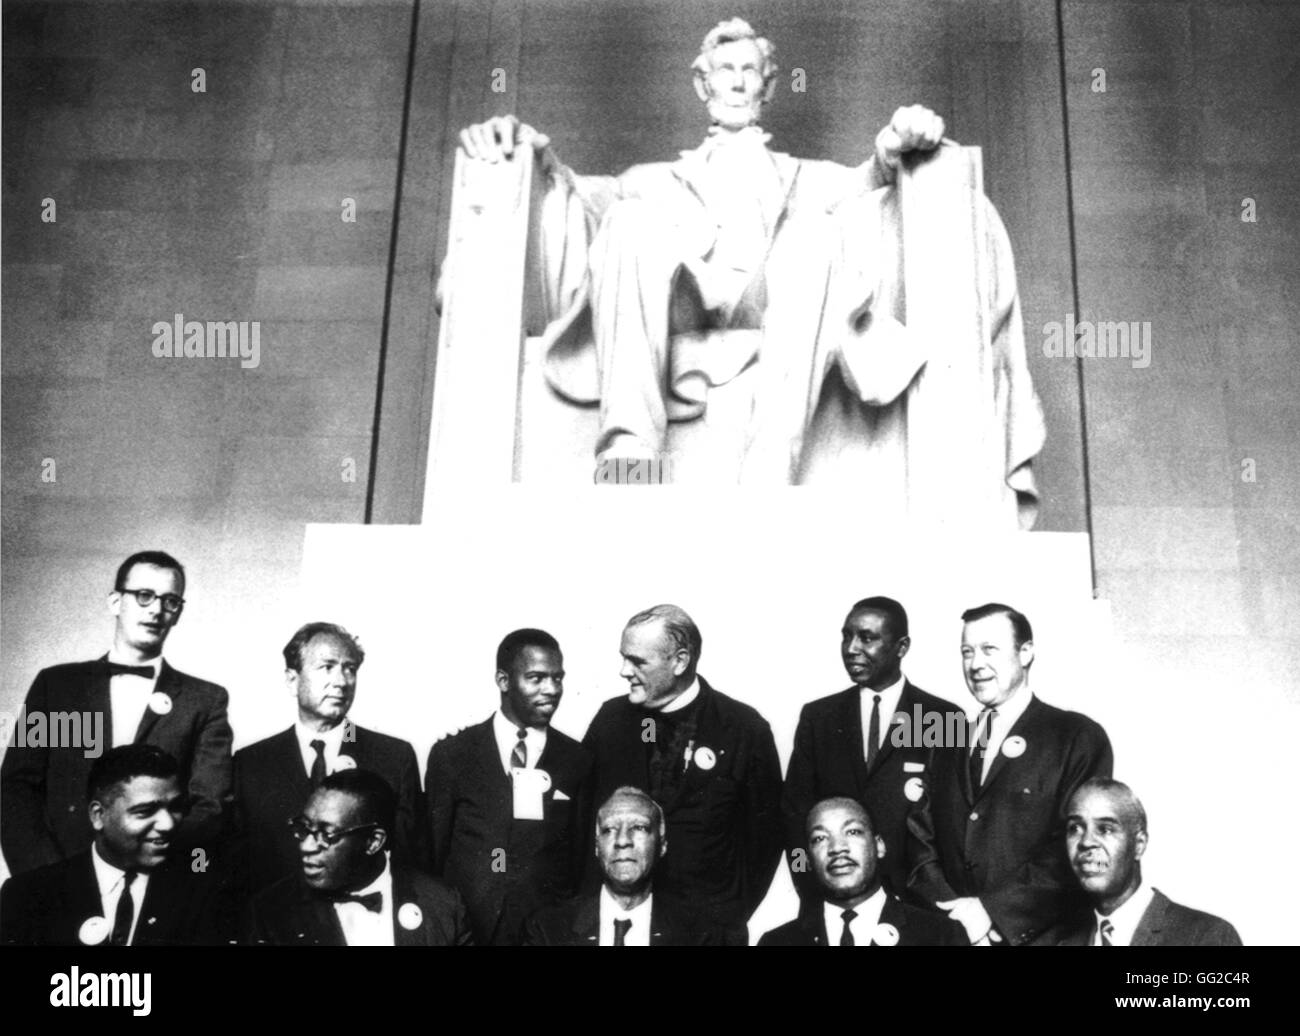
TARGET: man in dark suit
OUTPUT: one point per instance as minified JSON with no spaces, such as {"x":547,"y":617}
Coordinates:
{"x":987,"y":843}
{"x":347,"y":892}
{"x":510,"y":798}
{"x":852,"y":906}
{"x":1105,"y":837}
{"x":631,"y":840}
{"x":133,"y":696}
{"x":126,"y":890}
{"x":274,"y":776}
{"x":869,"y":742}
{"x":709,"y":760}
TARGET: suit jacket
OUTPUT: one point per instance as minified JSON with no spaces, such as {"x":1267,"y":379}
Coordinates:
{"x":289,"y":913}
{"x":472,"y":819}
{"x":1164,"y":923}
{"x":48,"y":906}
{"x":43,"y":790}
{"x":1006,"y":842}
{"x":272,"y":785}
{"x":672,"y":922}
{"x":827,"y":761}
{"x":724,"y":821}
{"x":915,"y":927}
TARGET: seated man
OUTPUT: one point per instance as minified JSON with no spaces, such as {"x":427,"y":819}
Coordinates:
{"x":732,"y":236}
{"x":853,"y":908}
{"x":125,"y":890}
{"x":1105,"y":837}
{"x":630,"y":840}
{"x":347,"y":892}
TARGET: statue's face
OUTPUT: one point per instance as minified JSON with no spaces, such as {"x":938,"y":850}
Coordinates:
{"x":733,"y":89}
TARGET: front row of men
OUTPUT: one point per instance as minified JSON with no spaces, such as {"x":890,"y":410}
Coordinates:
{"x":130,"y":888}
{"x":970,"y":823}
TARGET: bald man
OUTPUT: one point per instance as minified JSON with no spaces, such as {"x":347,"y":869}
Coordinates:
{"x":852,"y":907}
{"x":631,"y":840}
{"x":707,"y":758}
{"x":1105,"y":837}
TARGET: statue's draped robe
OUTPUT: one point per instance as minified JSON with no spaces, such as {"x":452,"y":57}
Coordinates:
{"x":839,"y":385}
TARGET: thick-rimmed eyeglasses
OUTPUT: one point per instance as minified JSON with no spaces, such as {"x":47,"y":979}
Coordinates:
{"x":144,"y":598}
{"x":300,"y":828}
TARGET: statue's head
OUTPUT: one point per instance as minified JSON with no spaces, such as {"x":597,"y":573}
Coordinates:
{"x":735,"y":74}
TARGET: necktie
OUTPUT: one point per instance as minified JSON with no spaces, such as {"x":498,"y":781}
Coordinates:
{"x":519,"y":754}
{"x":621,"y":926}
{"x":371,"y":900}
{"x":983,"y":732}
{"x":318,"y":764}
{"x":873,"y":733}
{"x":1104,"y":930}
{"x":846,"y":936}
{"x":118,"y":669}
{"x":125,"y":913}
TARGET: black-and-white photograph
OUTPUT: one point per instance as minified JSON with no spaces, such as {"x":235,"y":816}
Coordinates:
{"x":646,"y":473}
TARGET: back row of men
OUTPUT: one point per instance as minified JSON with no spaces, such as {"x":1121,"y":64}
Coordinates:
{"x":903,"y":820}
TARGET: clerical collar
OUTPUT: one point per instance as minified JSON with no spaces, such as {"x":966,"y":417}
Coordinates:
{"x":684,"y":699}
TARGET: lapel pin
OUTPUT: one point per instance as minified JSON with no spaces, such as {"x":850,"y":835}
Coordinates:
{"x":151,"y":920}
{"x":1014,"y":746}
{"x":410,"y":916}
{"x":160,"y":703}
{"x":884,"y":935}
{"x":705,"y":759}
{"x":93,"y":931}
{"x":344,"y":762}
{"x":914,"y":789}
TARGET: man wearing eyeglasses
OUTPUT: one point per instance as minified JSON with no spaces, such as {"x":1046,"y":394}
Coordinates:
{"x":348,"y":892}
{"x":273,"y":777}
{"x":128,"y":889}
{"x":134,"y":697}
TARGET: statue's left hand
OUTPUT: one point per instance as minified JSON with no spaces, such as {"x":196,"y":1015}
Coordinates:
{"x":915,"y":128}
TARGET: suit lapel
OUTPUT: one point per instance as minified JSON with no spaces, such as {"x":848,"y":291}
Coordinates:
{"x":404,"y":894}
{"x":1153,"y":921}
{"x":905,"y":703}
{"x":708,"y":734}
{"x":320,"y":919}
{"x":1024,"y":727}
{"x":893,"y":913}
{"x":99,"y":699}
{"x":170,"y":685}
{"x":82,"y":895}
{"x":586,"y":921}
{"x":850,"y":724}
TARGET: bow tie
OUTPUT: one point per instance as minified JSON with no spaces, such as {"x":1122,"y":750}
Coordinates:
{"x":371,"y":900}
{"x":118,"y":669}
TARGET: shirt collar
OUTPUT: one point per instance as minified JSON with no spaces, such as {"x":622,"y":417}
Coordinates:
{"x":383,"y":883}
{"x":1008,"y":712}
{"x":685,"y":698}
{"x":611,"y":911}
{"x":506,"y":734}
{"x":109,"y":877}
{"x":1127,"y":916}
{"x":333,"y":738}
{"x":889,"y":697}
{"x":154,"y":663}
{"x":868,"y":916}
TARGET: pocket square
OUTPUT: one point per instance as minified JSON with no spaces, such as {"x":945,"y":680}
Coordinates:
{"x":560,"y":796}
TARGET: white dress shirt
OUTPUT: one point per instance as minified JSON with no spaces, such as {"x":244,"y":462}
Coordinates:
{"x":362,"y":927}
{"x":128,"y":697}
{"x":863,"y":925}
{"x":685,"y":698}
{"x":1008,"y":713}
{"x":610,"y":911}
{"x":888,"y":706}
{"x":112,"y":881}
{"x":333,"y":744}
{"x":507,"y":735}
{"x":1125,"y":918}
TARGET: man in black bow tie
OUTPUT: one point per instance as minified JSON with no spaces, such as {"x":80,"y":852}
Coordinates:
{"x":348,"y":893}
{"x":131,"y":696}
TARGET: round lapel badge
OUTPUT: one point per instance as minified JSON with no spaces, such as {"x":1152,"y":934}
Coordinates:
{"x":344,"y":762}
{"x":884,"y":935}
{"x":410,"y":916}
{"x":705,"y":759}
{"x":914,"y":789}
{"x":93,"y":931}
{"x":160,"y":703}
{"x":1014,"y":747}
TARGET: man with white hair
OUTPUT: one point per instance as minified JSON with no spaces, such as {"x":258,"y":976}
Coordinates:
{"x":730,"y":236}
{"x":707,"y":759}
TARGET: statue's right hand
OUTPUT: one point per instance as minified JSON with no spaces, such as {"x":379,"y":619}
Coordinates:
{"x":496,"y":139}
